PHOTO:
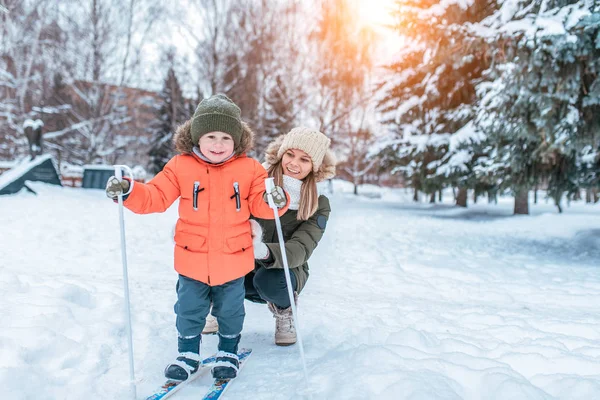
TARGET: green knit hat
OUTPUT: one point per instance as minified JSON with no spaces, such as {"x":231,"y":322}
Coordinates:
{"x":217,"y":113}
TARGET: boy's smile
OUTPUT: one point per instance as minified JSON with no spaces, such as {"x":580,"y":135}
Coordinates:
{"x":216,"y":146}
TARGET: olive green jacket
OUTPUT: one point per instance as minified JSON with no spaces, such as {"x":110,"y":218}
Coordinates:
{"x":301,"y":239}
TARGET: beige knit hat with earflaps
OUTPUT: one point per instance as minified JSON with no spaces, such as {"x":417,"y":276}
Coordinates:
{"x":311,"y":141}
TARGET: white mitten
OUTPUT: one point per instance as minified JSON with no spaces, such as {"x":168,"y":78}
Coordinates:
{"x":261,"y":251}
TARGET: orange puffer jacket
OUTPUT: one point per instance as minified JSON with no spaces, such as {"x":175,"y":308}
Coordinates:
{"x":212,"y":236}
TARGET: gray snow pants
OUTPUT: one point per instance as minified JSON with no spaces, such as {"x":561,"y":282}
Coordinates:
{"x":193,"y":305}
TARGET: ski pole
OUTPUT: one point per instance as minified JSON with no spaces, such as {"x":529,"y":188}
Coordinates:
{"x":119,"y":176}
{"x":270,"y":185}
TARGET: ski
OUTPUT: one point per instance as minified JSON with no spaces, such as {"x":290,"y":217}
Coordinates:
{"x":171,"y":386}
{"x":218,"y":388}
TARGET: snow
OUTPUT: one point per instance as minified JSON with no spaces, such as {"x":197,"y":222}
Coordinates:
{"x":5,"y":164}
{"x":547,"y":23}
{"x":34,"y":124}
{"x":405,"y":301}
{"x":457,"y":162}
{"x":441,"y":9}
{"x":99,"y":167}
{"x":71,"y":170}
{"x":406,"y":106}
{"x":13,"y":174}
{"x":465,"y":135}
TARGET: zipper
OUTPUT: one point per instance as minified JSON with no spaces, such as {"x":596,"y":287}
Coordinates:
{"x":197,"y":189}
{"x":236,"y":194}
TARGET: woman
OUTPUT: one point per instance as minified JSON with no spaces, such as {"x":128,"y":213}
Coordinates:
{"x":297,"y":160}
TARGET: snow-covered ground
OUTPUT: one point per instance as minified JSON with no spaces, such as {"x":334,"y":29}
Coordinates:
{"x":405,"y":301}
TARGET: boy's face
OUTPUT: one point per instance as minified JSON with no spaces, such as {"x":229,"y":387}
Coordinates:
{"x":296,"y":163}
{"x":216,"y":146}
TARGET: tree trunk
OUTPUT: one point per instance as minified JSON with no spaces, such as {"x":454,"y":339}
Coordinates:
{"x":432,"y":198}
{"x":440,"y":196}
{"x":416,"y":195}
{"x":588,"y":195}
{"x":521,"y":201}
{"x":535,"y":198}
{"x":595,"y":195}
{"x":461,"y":197}
{"x":557,"y":197}
{"x":474,"y":197}
{"x":355,"y":189}
{"x":577,"y":195}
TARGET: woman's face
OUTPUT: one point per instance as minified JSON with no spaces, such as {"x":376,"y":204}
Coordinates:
{"x":296,"y":163}
{"x":216,"y":146}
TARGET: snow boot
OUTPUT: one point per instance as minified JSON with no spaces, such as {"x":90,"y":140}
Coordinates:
{"x":188,"y":360}
{"x":212,"y":326}
{"x":285,"y":330}
{"x":226,"y":367}
{"x":227,"y":363}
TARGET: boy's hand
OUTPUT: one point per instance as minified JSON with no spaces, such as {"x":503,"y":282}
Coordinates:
{"x":261,"y":251}
{"x":115,"y":187}
{"x":279,"y":197}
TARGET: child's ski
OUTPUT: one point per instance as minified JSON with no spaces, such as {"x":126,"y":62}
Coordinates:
{"x":171,"y":386}
{"x":218,"y":388}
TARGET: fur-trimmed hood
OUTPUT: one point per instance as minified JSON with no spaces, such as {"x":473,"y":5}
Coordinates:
{"x":185,"y":145}
{"x":325,"y":171}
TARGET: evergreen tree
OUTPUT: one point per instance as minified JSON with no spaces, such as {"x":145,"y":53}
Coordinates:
{"x":431,"y":89}
{"x":534,"y":105}
{"x":588,"y":158}
{"x":172,"y":112}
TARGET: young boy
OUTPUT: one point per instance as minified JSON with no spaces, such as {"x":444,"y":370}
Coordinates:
{"x":219,"y":187}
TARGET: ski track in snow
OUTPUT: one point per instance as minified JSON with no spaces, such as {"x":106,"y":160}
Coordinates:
{"x":404,"y":302}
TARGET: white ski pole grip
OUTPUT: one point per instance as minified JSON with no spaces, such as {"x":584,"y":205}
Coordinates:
{"x":119,"y":176}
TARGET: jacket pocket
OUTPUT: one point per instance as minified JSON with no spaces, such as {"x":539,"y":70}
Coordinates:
{"x":191,"y":242}
{"x":238,"y":243}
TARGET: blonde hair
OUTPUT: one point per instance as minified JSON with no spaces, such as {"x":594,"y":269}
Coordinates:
{"x":309,"y":196}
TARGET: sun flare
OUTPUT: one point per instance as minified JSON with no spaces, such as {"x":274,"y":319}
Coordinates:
{"x":375,"y":13}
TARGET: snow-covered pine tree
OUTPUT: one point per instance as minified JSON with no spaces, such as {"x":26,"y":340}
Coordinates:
{"x":532,"y":109}
{"x":588,"y":160}
{"x":431,"y":89}
{"x":171,"y":112}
